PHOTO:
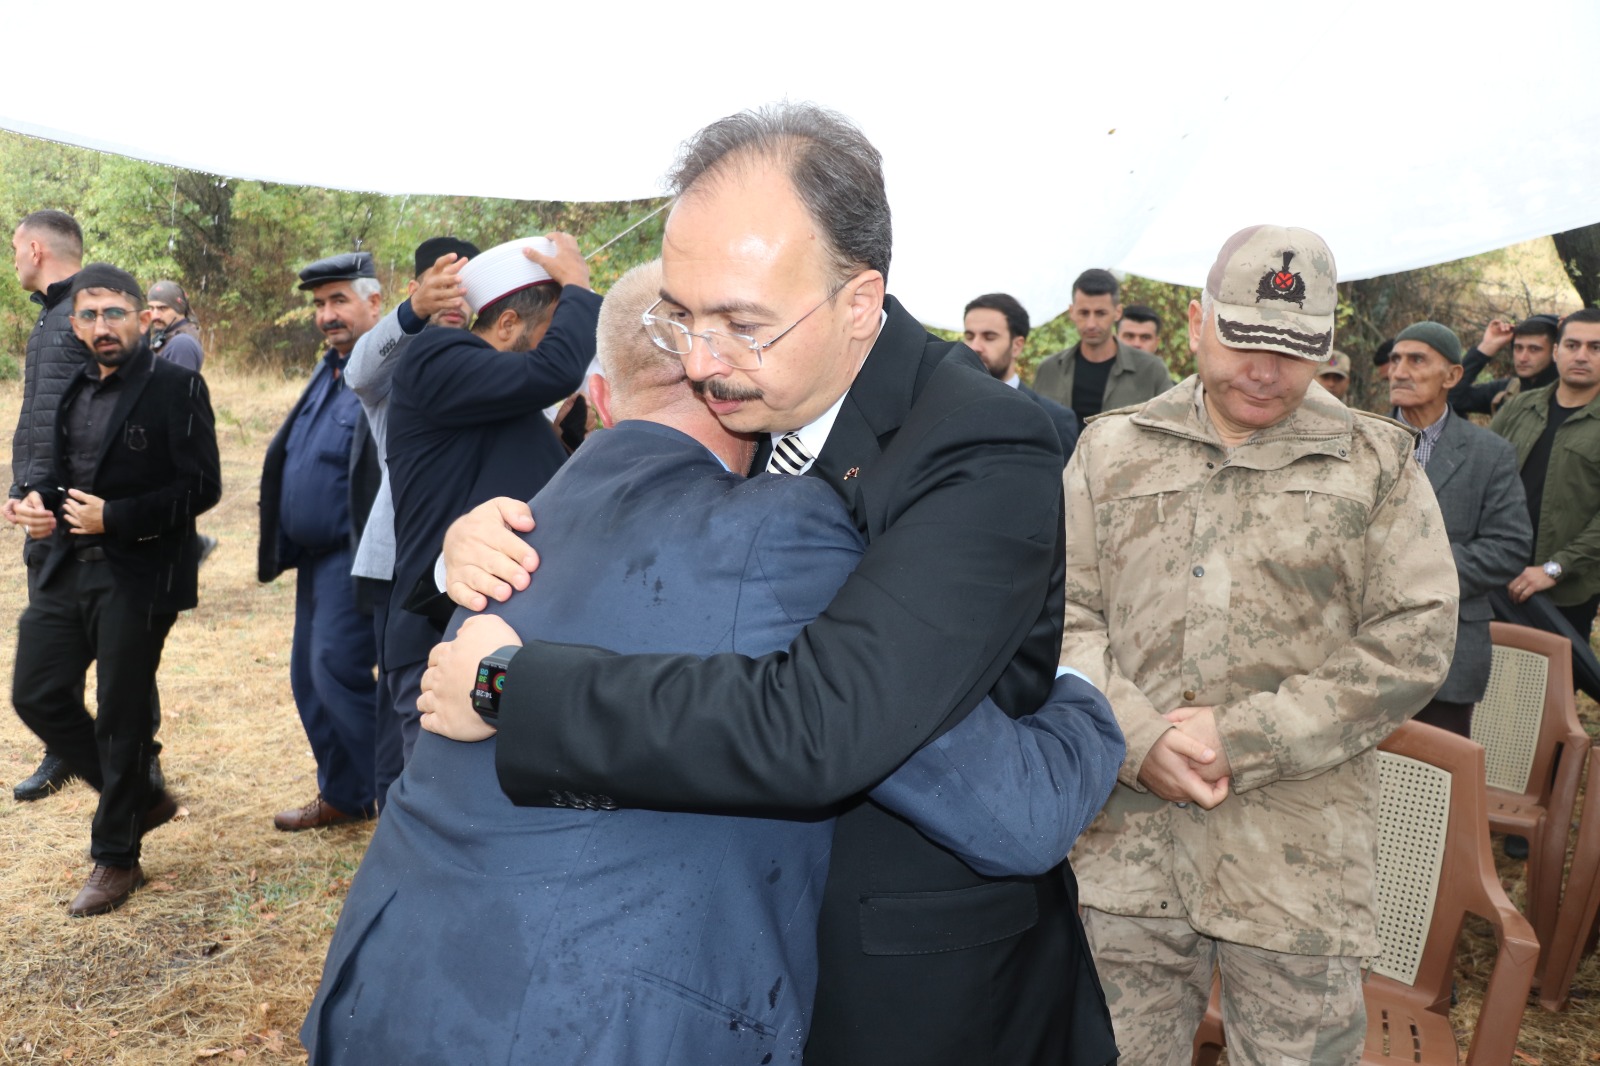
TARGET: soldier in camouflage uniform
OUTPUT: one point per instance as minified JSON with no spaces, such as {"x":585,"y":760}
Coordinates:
{"x":1259,"y":579}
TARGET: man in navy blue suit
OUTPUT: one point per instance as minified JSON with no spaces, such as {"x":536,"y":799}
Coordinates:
{"x":465,"y":424}
{"x":480,"y":931}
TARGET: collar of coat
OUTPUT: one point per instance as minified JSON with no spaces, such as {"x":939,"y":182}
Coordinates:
{"x":1321,"y":425}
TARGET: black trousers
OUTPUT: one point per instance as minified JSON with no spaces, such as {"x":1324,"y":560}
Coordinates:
{"x":83,"y":617}
{"x":1581,"y":615}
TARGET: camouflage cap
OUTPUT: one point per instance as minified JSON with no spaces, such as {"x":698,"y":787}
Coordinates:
{"x":1338,"y":363}
{"x":1272,"y":288}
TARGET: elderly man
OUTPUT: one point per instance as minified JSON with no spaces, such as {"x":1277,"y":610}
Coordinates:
{"x":773,"y":293}
{"x":318,"y":482}
{"x":1259,"y":579}
{"x":1474,"y":476}
{"x":137,"y":454}
{"x":698,"y":931}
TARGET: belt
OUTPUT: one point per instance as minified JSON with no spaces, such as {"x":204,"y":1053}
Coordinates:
{"x":89,"y":555}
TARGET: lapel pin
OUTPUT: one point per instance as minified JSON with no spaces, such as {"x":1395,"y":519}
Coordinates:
{"x":852,"y":472}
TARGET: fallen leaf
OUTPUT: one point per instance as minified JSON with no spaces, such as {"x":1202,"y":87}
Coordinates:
{"x":183,"y":812}
{"x":113,"y":1034}
{"x":161,"y":886}
{"x":237,"y":1053}
{"x":1523,"y":1056}
{"x":275,"y":1041}
{"x":262,"y":1007}
{"x":209,"y":1052}
{"x":69,"y":1052}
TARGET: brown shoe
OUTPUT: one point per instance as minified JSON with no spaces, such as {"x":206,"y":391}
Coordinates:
{"x":163,"y":808}
{"x":317,"y":814}
{"x":107,"y":889}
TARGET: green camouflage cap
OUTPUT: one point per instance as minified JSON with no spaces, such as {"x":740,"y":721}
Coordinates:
{"x":1272,"y":288}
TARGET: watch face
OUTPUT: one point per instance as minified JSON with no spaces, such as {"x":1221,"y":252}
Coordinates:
{"x":486,"y":690}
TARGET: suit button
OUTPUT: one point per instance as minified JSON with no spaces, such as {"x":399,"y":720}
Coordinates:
{"x":1199,"y":571}
{"x":1188,"y":695}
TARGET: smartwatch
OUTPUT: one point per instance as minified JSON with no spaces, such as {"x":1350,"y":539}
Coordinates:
{"x":491,"y":683}
{"x":1552,"y":570}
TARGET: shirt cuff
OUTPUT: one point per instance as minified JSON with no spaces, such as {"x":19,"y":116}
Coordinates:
{"x":409,"y":322}
{"x":438,"y":573}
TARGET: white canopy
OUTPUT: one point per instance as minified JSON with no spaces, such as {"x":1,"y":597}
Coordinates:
{"x":1022,"y":143}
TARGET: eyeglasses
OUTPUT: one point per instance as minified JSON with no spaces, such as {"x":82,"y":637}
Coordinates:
{"x":738,"y":350}
{"x":113,"y":315}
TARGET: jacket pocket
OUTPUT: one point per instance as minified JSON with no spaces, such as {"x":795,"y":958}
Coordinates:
{"x":726,"y":1019}
{"x":925,"y":923}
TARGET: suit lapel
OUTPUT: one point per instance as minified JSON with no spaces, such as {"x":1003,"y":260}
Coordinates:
{"x":1446,"y":457}
{"x":132,"y":388}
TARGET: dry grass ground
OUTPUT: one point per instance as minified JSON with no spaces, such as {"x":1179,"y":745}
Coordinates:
{"x":217,"y":958}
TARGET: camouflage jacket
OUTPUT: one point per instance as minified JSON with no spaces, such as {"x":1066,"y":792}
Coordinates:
{"x":1302,"y":585}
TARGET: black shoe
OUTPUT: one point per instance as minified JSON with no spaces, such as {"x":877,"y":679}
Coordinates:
{"x":51,"y":776}
{"x":1516,"y":847}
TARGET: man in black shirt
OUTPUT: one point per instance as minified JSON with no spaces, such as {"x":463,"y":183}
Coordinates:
{"x":136,"y":449}
{"x":1099,"y":373}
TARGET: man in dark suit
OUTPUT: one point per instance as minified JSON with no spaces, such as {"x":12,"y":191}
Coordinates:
{"x":318,"y":482}
{"x":1474,"y":474}
{"x":782,"y":227}
{"x":136,"y":449}
{"x":466,"y":423}
{"x":652,"y":937}
{"x":996,"y":328}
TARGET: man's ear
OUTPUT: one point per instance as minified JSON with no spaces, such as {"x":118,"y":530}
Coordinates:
{"x":1196,"y":322}
{"x":144,"y":320}
{"x":411,"y":288}
{"x":507,"y":325}
{"x":1453,"y":375}
{"x":600,"y":396}
{"x":1017,"y":344}
{"x":865,"y":293}
{"x":375,"y":301}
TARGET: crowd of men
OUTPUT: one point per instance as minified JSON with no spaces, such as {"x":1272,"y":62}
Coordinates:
{"x":761,"y":725}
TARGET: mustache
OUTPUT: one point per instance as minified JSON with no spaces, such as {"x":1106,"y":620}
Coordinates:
{"x":723,"y":391}
{"x":332,"y":324}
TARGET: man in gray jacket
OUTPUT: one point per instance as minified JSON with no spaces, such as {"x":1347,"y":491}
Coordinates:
{"x":434,"y":296}
{"x":1099,"y":373}
{"x":47,"y":248}
{"x":1474,"y":475}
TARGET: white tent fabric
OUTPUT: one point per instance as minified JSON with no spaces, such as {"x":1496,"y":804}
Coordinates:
{"x":1021,"y":143}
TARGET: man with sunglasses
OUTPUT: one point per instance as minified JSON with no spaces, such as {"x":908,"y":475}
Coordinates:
{"x":136,"y":452}
{"x":774,"y":266}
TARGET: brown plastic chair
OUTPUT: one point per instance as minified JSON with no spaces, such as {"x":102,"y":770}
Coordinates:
{"x":1535,"y":749}
{"x":1580,"y":904}
{"x":1434,"y":868}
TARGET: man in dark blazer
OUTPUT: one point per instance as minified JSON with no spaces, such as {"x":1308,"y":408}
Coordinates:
{"x":1474,"y":474}
{"x":466,"y":423}
{"x":585,"y":933}
{"x":995,"y":327}
{"x":136,"y":451}
{"x":782,"y":227}
{"x":318,"y":482}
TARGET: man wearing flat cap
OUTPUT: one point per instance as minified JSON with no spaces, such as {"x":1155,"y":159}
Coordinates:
{"x":317,"y":486}
{"x":1474,"y":476}
{"x":136,"y":452}
{"x":1259,"y":579}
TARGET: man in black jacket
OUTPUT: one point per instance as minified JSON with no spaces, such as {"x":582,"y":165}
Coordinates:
{"x":47,"y":249}
{"x":136,"y":451}
{"x":1533,"y":349}
{"x":774,"y":262}
{"x":466,"y":423}
{"x":995,"y":326}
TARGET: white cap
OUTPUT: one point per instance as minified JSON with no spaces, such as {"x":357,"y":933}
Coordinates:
{"x":503,"y":270}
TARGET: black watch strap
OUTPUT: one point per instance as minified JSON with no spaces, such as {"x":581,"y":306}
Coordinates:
{"x":491,"y":682}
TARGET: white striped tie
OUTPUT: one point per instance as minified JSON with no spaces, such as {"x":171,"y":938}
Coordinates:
{"x":789,"y":456}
